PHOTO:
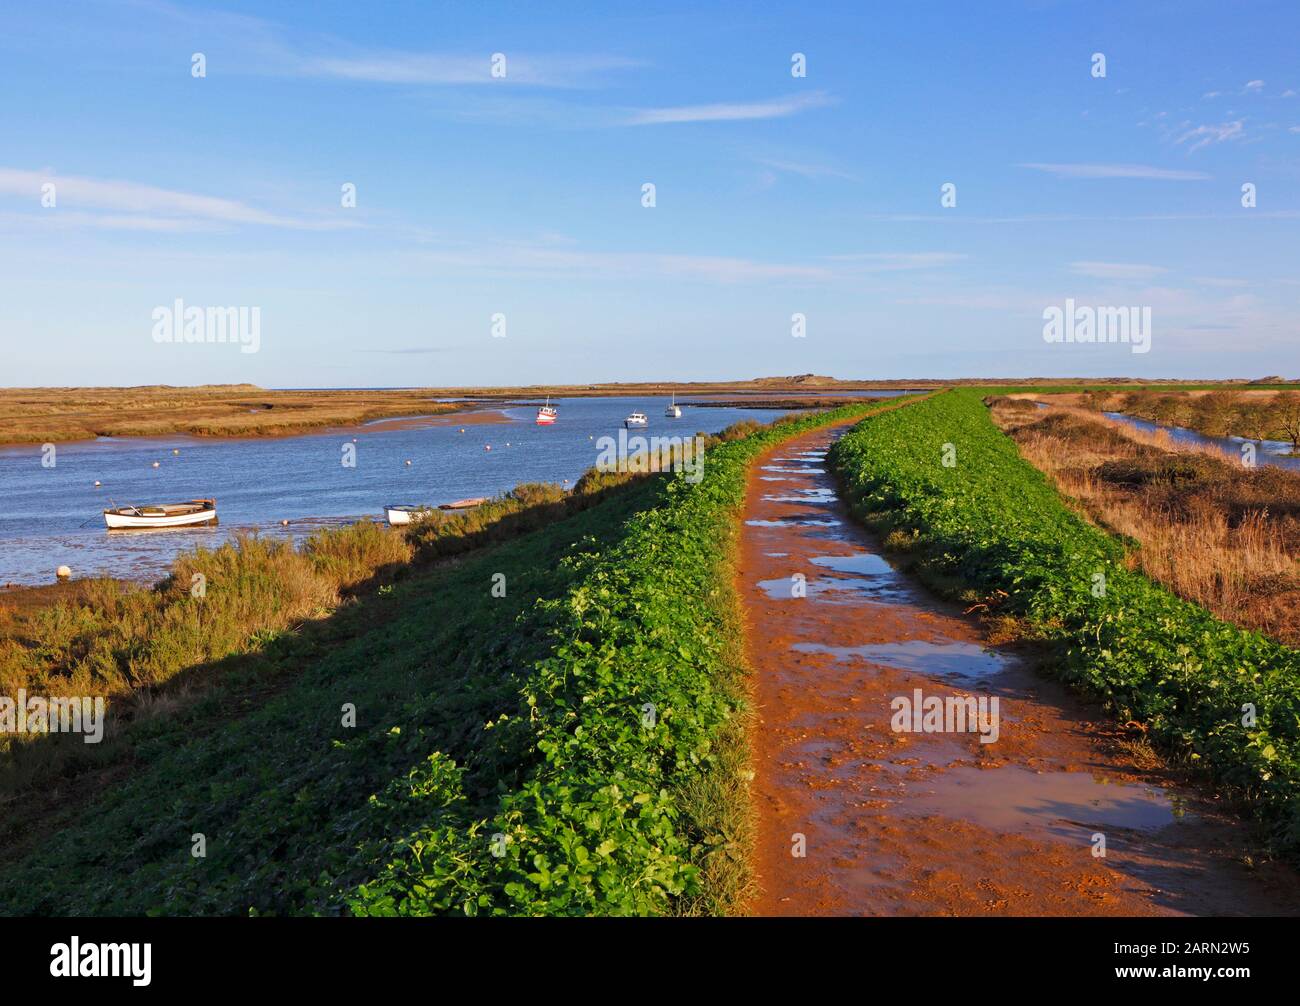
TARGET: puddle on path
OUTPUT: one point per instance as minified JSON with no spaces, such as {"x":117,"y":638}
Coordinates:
{"x":968,"y":660}
{"x":812,"y":497}
{"x":862,"y":563}
{"x":808,"y":521}
{"x":1070,"y":805}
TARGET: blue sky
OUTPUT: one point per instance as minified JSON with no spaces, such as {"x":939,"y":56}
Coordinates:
{"x":522,"y":195}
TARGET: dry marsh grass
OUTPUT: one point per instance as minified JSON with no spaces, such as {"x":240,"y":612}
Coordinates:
{"x":145,"y":650}
{"x":1253,"y":414}
{"x":47,"y":415}
{"x":1216,"y":533}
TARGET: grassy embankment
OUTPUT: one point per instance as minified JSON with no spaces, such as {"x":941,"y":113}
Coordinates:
{"x":1213,"y":531}
{"x":993,"y":528}
{"x":523,"y":716}
{"x":153,"y":652}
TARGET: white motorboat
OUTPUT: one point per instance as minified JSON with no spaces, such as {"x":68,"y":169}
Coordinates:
{"x":546,"y":414}
{"x":674,"y":411}
{"x":636,"y":419}
{"x":405,"y":513}
{"x":162,"y":515}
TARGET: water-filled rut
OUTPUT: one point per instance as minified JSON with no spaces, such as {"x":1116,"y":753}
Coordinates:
{"x":903,"y":767}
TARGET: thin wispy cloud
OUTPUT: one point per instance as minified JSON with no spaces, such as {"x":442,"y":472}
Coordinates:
{"x":520,"y":258}
{"x":257,"y":45}
{"x":776,"y":108}
{"x":414,"y":350}
{"x":1222,"y":282}
{"x":1204,"y":136}
{"x":1117,"y":270}
{"x":133,"y":206}
{"x":897,"y":261}
{"x":432,"y":69}
{"x":810,"y":171}
{"x":1249,"y":88}
{"x":1144,"y":171}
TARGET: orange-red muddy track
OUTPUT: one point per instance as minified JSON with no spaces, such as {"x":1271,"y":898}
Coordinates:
{"x":1004,"y":817}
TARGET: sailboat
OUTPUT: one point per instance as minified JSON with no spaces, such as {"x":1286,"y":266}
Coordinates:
{"x":546,"y":414}
{"x":674,"y":411}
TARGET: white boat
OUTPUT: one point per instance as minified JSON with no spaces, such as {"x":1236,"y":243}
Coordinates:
{"x":405,"y":513}
{"x":162,"y":515}
{"x":674,"y":411}
{"x":636,"y":419}
{"x":546,"y":414}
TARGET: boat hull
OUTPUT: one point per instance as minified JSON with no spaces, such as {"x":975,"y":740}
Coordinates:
{"x":137,"y":521}
{"x":399,"y":515}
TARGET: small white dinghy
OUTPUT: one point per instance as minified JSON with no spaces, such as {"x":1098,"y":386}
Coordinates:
{"x":162,"y":515}
{"x":406,"y":513}
{"x":403,"y":513}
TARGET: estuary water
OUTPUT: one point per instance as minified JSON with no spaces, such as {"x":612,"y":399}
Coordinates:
{"x":51,"y":516}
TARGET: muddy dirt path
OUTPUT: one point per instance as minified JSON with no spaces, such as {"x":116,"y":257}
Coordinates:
{"x":922,"y":822}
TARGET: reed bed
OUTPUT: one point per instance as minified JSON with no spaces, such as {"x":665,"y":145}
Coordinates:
{"x":1218,"y":534}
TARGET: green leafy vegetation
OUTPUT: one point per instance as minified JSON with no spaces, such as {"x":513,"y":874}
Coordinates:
{"x":570,"y":744}
{"x":629,"y":718}
{"x":289,"y":799}
{"x":992,"y":523}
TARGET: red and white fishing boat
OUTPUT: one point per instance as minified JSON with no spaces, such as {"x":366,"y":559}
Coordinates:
{"x":162,"y":515}
{"x":546,"y":414}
